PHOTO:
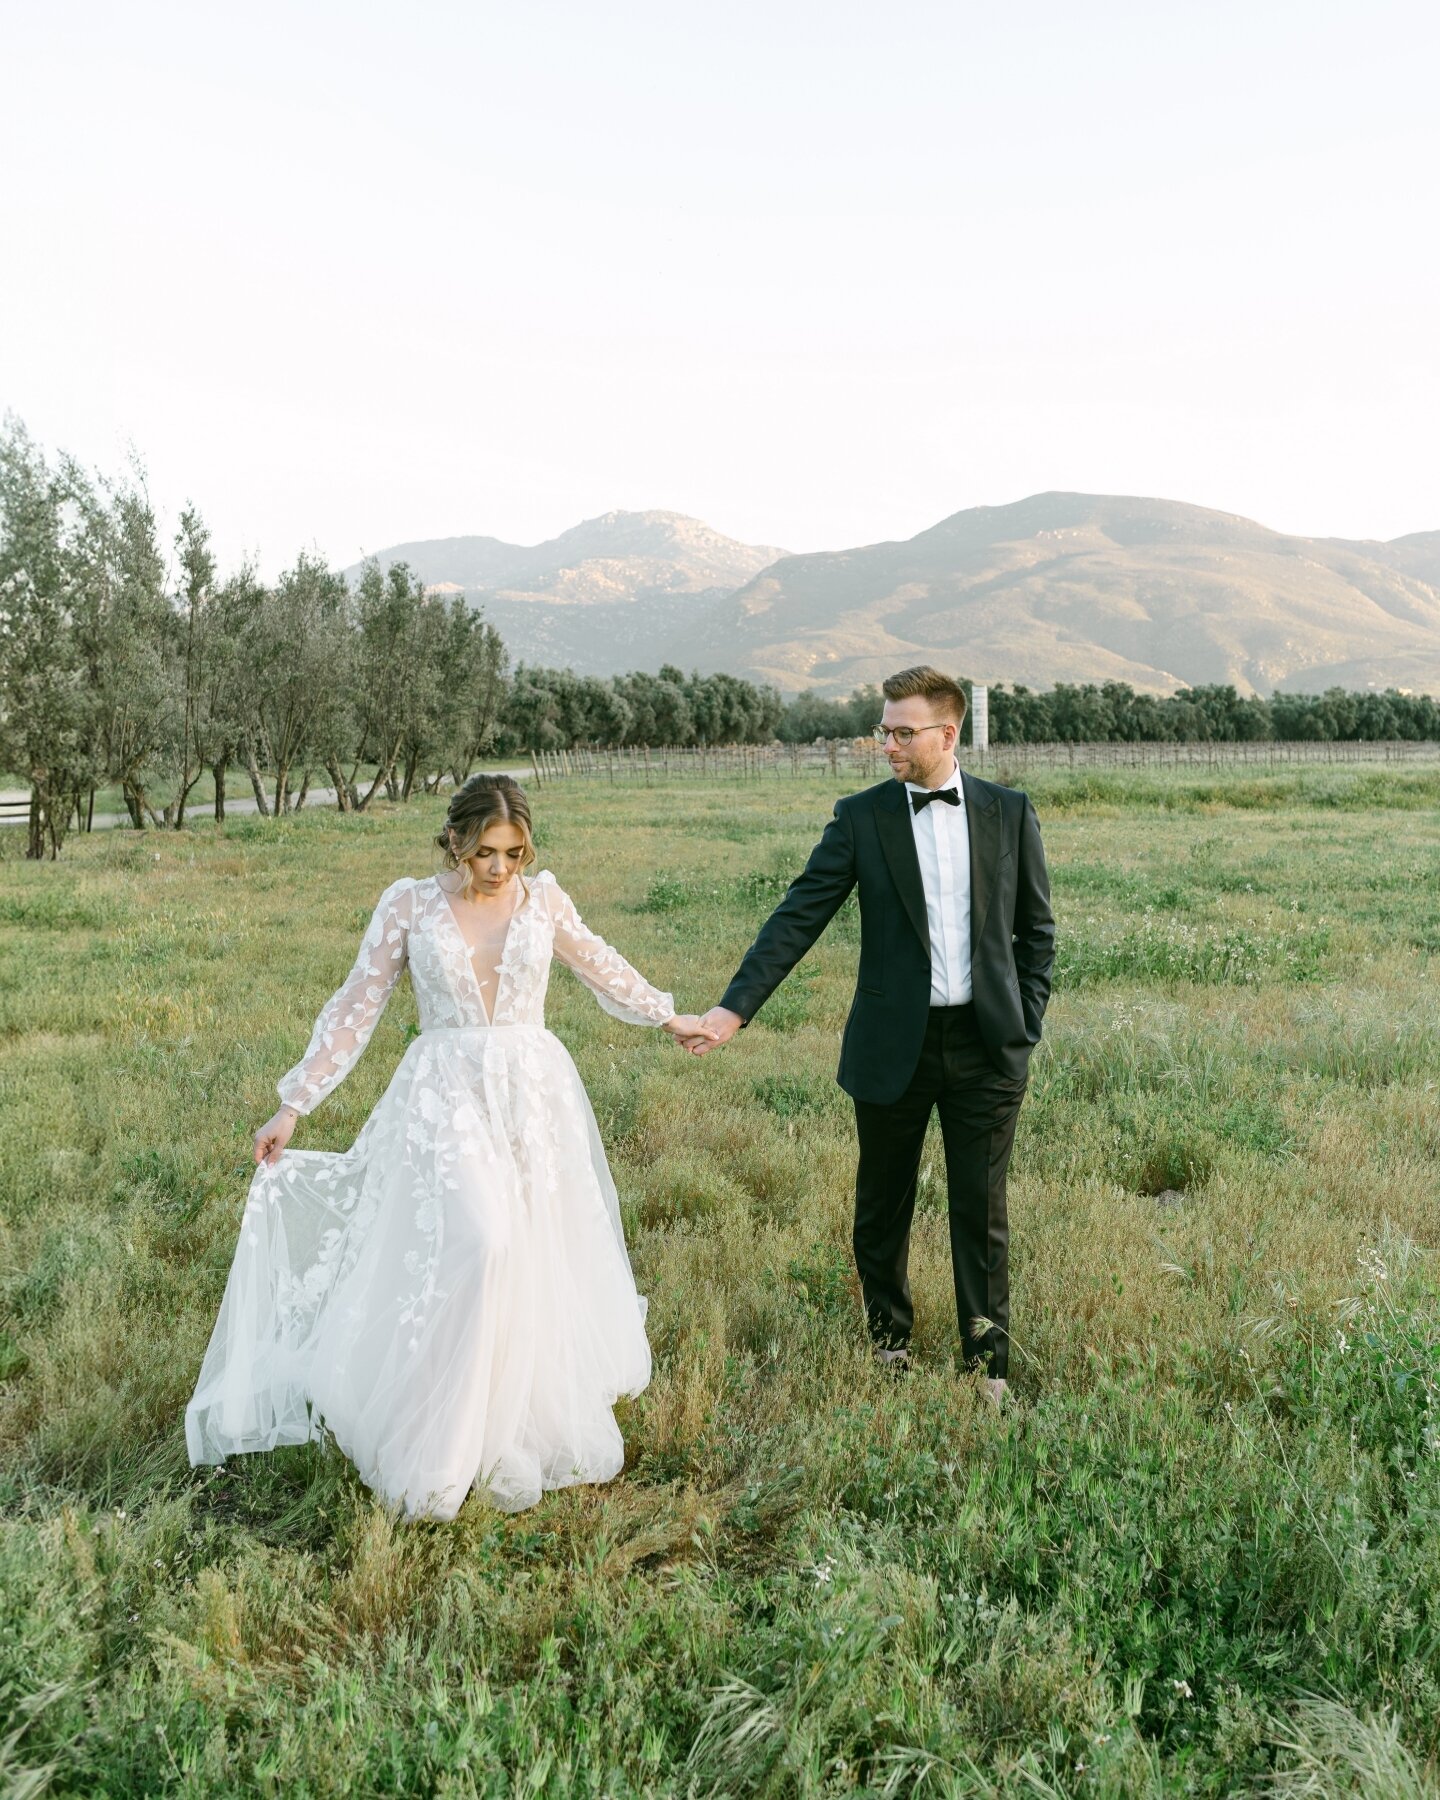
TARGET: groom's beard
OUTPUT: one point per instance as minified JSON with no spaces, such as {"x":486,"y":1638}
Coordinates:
{"x":907,"y":769}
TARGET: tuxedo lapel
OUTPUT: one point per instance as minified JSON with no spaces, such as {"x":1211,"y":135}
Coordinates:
{"x":897,"y":840}
{"x":982,"y":817}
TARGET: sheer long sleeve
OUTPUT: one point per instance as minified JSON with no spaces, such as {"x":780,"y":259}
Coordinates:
{"x":352,"y":1013}
{"x":621,"y":990}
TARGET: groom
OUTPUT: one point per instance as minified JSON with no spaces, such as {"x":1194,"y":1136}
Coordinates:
{"x":956,"y":948}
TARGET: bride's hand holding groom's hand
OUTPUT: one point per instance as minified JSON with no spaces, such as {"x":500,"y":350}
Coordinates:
{"x":689,"y":1030}
{"x":717,"y":1027}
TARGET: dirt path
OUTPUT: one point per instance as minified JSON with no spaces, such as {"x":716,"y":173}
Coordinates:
{"x":203,"y":813}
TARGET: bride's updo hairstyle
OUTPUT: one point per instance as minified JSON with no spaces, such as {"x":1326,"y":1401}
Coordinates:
{"x":476,"y":805}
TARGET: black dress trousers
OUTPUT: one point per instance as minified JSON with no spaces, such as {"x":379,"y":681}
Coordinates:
{"x":978,"y":1109}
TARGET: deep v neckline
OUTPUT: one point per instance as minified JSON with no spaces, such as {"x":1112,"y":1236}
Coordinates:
{"x":469,"y":951}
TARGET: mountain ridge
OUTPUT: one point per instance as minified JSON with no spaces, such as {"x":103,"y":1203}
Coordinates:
{"x":666,"y":552}
{"x":1057,"y":586}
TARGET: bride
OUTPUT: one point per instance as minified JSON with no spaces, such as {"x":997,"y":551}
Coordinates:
{"x":450,"y":1299}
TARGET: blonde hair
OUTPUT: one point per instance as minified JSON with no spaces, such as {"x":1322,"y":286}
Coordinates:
{"x":476,"y":805}
{"x":923,"y":682}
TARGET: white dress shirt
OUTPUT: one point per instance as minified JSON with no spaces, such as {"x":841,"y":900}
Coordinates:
{"x":942,"y":843}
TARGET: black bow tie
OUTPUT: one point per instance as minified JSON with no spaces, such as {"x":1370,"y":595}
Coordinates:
{"x":951,"y":797}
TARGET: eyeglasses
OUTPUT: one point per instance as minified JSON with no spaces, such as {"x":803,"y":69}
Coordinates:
{"x":902,"y":734}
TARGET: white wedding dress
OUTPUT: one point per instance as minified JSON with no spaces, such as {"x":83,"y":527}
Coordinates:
{"x":450,"y":1299}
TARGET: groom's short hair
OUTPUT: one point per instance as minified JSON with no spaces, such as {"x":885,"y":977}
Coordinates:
{"x":926,"y":683}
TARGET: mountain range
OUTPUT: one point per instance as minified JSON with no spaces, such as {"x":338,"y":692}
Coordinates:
{"x":1057,"y":587}
{"x":600,"y":597}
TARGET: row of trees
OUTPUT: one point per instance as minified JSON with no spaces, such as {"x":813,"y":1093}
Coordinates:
{"x":1113,"y":712}
{"x":123,"y":668}
{"x":555,"y":709}
{"x":118,"y":670}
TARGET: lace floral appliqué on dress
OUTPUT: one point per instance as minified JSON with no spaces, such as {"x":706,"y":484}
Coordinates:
{"x":451,"y":1298}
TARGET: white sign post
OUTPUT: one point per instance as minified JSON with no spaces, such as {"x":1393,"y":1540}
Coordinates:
{"x":980,"y":718}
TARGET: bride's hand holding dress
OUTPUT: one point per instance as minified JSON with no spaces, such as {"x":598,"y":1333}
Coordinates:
{"x":274,"y":1135}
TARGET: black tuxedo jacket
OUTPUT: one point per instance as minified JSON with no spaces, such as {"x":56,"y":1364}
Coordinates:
{"x":870,"y":843}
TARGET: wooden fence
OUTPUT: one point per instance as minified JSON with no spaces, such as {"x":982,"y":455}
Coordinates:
{"x":860,"y":759}
{"x":742,"y":762}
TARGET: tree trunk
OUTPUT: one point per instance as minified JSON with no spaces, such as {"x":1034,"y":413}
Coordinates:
{"x":218,"y":771}
{"x":385,"y":773}
{"x":304,"y":788}
{"x":344,"y":793}
{"x":262,"y":805}
{"x":134,"y":803}
{"x":187,"y":785}
{"x":49,"y":817}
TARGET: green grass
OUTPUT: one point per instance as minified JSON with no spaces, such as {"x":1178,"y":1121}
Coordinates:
{"x":1201,"y":1554}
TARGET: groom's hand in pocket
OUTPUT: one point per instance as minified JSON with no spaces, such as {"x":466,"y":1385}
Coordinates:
{"x":720,"y":1025}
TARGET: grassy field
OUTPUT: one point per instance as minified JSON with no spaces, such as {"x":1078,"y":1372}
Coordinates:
{"x":1199,"y":1555}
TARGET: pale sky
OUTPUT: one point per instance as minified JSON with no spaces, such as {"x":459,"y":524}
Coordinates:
{"x":819,"y":274}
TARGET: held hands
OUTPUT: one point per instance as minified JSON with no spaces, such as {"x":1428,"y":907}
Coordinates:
{"x":688,"y":1030}
{"x":274,"y":1135}
{"x":717,"y":1027}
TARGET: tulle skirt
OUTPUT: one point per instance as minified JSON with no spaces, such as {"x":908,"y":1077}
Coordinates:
{"x":450,"y":1299}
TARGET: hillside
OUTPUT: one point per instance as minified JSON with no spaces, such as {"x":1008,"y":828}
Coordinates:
{"x":1057,"y":587}
{"x":1072,"y":587}
{"x":595,"y":597}
{"x":1418,"y":554}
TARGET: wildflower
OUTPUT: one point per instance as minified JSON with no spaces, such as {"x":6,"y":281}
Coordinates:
{"x":1342,"y":1342}
{"x":1182,"y":1688}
